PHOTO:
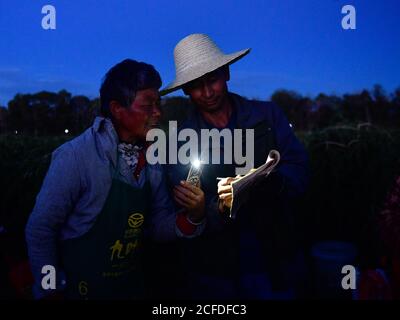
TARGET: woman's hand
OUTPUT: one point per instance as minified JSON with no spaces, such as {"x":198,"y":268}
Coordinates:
{"x":192,"y":199}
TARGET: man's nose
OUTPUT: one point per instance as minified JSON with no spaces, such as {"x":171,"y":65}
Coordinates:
{"x":156,"y":111}
{"x":208,"y":92}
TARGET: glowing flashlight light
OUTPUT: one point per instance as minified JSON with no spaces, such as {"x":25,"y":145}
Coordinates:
{"x":194,"y":173}
{"x":196,"y":163}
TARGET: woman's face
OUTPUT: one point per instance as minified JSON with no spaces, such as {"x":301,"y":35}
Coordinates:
{"x":141,"y":116}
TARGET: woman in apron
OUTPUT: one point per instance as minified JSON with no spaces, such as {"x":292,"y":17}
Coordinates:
{"x":100,"y":200}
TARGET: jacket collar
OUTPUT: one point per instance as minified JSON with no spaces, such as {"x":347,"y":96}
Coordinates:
{"x":104,"y":128}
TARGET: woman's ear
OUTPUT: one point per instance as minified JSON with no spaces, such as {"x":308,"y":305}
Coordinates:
{"x":115,"y":110}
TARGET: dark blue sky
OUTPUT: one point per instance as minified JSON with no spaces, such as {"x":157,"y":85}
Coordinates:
{"x":296,"y":44}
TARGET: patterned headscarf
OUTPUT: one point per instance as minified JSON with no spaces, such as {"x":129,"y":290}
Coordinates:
{"x":130,"y":153}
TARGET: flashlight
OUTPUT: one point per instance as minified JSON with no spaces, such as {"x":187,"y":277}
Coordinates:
{"x":194,"y":173}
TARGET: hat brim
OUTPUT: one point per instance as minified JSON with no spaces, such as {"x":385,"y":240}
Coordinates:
{"x":206,"y":67}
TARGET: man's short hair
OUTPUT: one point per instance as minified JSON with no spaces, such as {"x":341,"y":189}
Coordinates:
{"x":122,"y":82}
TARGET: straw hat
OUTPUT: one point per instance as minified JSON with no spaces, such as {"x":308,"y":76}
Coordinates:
{"x":195,"y":56}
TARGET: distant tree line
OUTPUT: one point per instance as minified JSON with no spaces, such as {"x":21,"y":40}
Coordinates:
{"x":374,"y":107}
{"x":50,"y":113}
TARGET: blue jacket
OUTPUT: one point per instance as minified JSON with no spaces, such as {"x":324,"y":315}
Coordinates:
{"x":74,"y":192}
{"x":226,"y":244}
{"x":267,"y":117}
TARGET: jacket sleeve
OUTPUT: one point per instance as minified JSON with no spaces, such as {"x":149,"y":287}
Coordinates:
{"x":55,"y":201}
{"x":167,"y":224}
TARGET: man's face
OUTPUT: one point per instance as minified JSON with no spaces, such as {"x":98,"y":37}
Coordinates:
{"x":142,"y":115}
{"x":210,"y":91}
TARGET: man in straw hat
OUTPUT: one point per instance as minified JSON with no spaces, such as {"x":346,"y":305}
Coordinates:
{"x":254,"y":255}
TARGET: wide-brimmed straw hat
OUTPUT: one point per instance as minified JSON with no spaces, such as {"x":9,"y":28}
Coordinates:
{"x":197,"y":55}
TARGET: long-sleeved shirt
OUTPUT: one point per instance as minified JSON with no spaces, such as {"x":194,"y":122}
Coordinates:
{"x":74,"y":192}
{"x":248,"y":114}
{"x":230,"y":247}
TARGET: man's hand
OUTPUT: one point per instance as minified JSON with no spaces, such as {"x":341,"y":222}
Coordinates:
{"x":225,"y":192}
{"x":192,"y":199}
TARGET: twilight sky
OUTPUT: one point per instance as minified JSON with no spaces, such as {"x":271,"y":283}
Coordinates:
{"x":296,"y":44}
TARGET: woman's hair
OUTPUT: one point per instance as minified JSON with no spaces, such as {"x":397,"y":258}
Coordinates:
{"x":122,"y":82}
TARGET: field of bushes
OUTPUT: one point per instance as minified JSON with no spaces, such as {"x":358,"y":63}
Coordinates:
{"x":353,"y":168}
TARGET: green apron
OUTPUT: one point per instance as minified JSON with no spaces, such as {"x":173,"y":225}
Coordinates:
{"x":107,"y":261}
